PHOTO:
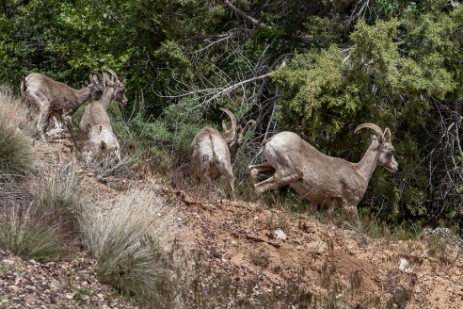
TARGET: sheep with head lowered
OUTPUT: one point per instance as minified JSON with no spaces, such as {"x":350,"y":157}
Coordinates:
{"x":212,"y":152}
{"x":97,"y":136}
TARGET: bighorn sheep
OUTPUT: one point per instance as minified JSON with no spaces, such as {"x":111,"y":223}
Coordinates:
{"x":213,"y":152}
{"x":53,"y":98}
{"x":97,"y":136}
{"x":319,"y":178}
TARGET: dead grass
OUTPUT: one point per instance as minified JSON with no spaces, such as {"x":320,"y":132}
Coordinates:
{"x":16,"y":157}
{"x":124,"y":238}
{"x":45,"y":228}
{"x":61,"y":197}
{"x":23,"y":232}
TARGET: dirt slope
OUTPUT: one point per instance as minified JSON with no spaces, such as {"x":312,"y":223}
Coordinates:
{"x":240,"y":237}
{"x":246,"y":241}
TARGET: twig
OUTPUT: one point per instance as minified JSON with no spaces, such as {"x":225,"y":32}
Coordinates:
{"x":240,"y":13}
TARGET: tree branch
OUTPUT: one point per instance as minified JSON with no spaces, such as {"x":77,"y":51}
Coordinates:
{"x":242,"y":14}
{"x":233,"y":87}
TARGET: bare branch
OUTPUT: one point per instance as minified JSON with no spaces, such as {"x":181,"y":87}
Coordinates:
{"x":242,"y":14}
{"x":233,"y":87}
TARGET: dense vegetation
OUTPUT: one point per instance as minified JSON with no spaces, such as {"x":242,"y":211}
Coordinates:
{"x":396,"y":63}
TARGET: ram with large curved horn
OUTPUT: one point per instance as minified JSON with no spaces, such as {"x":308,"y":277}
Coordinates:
{"x":322,"y":179}
{"x":212,"y":152}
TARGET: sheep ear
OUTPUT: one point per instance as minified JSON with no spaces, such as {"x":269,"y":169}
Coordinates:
{"x":224,"y":126}
{"x":387,"y":135}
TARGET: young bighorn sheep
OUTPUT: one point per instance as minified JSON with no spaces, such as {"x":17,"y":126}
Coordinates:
{"x":319,"y":178}
{"x":97,"y":136}
{"x":213,"y":152}
{"x":53,"y":98}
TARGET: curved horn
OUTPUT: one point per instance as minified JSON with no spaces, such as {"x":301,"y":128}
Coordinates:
{"x":113,"y":74}
{"x":387,"y":135}
{"x":245,"y":129}
{"x":371,"y":126}
{"x":98,"y":74}
{"x":94,"y":79}
{"x":105,"y":79}
{"x":234,"y":125}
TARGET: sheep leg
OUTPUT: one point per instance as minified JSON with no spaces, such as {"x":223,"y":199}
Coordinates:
{"x":226,"y":169}
{"x":210,"y":187}
{"x":70,"y":127}
{"x":276,"y":182}
{"x":353,"y":215}
{"x":255,"y":170}
{"x":57,"y":128}
{"x":42,"y":122}
{"x":203,"y":175}
{"x":43,"y":105}
{"x":117,"y":153}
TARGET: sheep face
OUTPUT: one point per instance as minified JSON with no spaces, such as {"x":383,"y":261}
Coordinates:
{"x":386,"y":158}
{"x":119,"y":95}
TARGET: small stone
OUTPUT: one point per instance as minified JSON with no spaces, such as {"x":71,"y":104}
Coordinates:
{"x":13,"y":288}
{"x":317,"y":247}
{"x":29,"y":299}
{"x":404,"y":266}
{"x":6,"y":261}
{"x":279,"y":234}
{"x":30,"y":288}
{"x":69,"y":296}
{"x":216,"y":254}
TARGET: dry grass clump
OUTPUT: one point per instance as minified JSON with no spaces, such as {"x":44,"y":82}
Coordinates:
{"x":23,"y":232}
{"x":61,"y":197}
{"x":46,"y":228}
{"x":123,"y":237}
{"x":16,"y":157}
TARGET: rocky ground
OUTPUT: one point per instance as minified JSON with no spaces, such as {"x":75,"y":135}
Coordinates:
{"x":247,"y":242}
{"x":71,"y":284}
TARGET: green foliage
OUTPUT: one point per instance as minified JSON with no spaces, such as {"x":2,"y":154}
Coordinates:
{"x":391,"y":76}
{"x":396,"y":63}
{"x":323,"y":31}
{"x":315,"y":92}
